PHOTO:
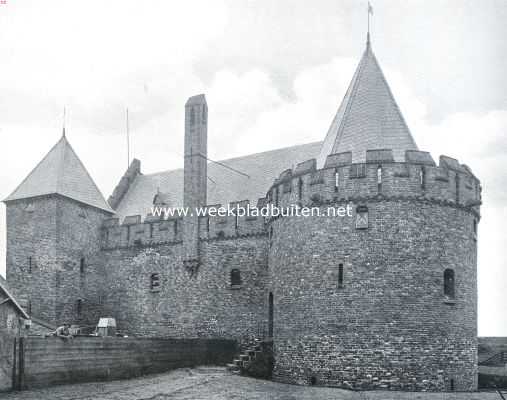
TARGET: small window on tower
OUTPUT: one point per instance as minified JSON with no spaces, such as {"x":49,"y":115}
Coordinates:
{"x":379,"y":178}
{"x":449,"y":284}
{"x":30,"y":265}
{"x":336,"y":180}
{"x":235,"y":279}
{"x":154,"y":282}
{"x":340,"y":275}
{"x":79,"y":307}
{"x":82,"y":265}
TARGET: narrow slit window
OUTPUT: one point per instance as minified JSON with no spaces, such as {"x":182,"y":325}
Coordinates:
{"x":336,"y":180}
{"x":422,"y":178}
{"x":379,"y":175}
{"x":82,"y":265}
{"x":449,"y":283}
{"x":457,"y":188}
{"x":340,"y":275}
{"x":79,"y":307}
{"x":300,"y":189}
{"x":30,"y":263}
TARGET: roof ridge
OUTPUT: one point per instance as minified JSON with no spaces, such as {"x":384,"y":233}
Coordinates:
{"x":393,"y":99}
{"x":3,"y":286}
{"x":31,"y":171}
{"x":60,"y":167}
{"x":89,"y":176}
{"x":238,"y":157}
{"x":348,"y":106}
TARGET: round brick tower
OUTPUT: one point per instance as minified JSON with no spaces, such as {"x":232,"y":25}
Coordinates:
{"x":385,"y":295}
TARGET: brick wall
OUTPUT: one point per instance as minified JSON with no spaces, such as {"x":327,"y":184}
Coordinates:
{"x":47,"y":237}
{"x":186,"y":304}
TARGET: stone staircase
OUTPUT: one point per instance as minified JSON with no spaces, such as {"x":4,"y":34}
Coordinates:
{"x":248,"y":354}
{"x":255,"y":359}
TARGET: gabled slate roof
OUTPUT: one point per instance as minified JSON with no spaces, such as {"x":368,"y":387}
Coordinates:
{"x":368,"y":117}
{"x":8,"y":295}
{"x":224,"y":185}
{"x":61,"y":172}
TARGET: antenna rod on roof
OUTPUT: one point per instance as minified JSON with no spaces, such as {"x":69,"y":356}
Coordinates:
{"x":128,"y":140}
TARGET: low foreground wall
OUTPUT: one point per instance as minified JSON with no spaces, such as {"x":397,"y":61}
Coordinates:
{"x":492,"y":362}
{"x":50,"y":361}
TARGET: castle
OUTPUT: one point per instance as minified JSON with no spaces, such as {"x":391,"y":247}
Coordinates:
{"x":386,"y":298}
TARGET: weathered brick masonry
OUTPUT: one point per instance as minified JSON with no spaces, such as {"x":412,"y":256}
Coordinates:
{"x":386,"y":298}
{"x":389,"y":324}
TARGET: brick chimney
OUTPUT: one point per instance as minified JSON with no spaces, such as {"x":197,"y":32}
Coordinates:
{"x":195,"y":173}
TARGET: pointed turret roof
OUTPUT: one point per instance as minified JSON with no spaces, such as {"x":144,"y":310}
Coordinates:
{"x":368,"y":117}
{"x":61,"y":172}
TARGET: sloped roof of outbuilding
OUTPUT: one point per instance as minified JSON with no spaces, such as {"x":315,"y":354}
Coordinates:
{"x":3,"y":288}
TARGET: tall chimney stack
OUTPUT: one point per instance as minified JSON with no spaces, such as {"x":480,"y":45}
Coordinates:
{"x":195,"y":174}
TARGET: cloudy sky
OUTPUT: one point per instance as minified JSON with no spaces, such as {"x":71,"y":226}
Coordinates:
{"x":274,"y":73}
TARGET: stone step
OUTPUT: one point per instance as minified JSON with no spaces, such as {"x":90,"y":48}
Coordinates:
{"x":239,"y":363}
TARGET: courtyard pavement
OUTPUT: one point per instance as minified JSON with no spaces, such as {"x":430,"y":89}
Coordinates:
{"x":214,"y":383}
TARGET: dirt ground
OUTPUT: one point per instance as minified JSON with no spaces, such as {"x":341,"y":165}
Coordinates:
{"x":215,"y":383}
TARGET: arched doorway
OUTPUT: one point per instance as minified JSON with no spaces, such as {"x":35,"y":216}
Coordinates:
{"x":270,"y":316}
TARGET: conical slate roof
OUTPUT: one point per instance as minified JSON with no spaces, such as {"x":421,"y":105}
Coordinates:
{"x":368,"y":117}
{"x":61,"y":172}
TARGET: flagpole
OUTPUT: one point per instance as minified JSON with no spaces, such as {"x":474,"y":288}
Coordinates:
{"x":369,"y":18}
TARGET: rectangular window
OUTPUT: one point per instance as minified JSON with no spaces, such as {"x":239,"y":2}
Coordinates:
{"x":340,"y":275}
{"x":154,"y":282}
{"x":79,"y":307}
{"x":30,"y":265}
{"x":336,"y":180}
{"x":357,"y":171}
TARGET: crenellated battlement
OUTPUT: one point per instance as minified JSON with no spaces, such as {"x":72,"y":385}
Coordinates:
{"x":133,"y":231}
{"x":380,"y":175}
{"x":153,"y":230}
{"x":219,"y":227}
